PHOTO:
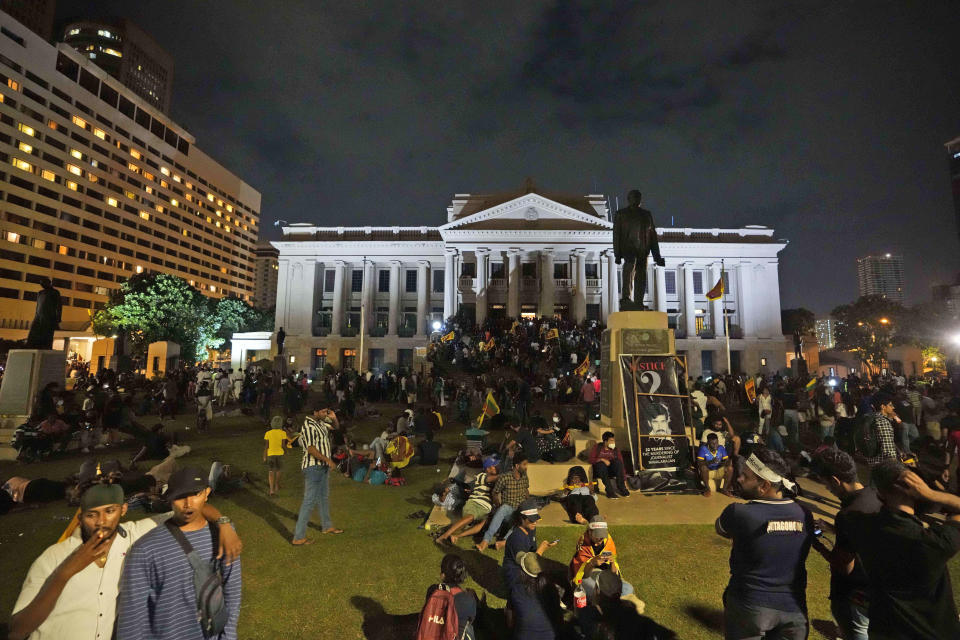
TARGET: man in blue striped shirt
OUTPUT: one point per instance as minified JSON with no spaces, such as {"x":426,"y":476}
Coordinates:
{"x":315,"y":466}
{"x":158,"y":600}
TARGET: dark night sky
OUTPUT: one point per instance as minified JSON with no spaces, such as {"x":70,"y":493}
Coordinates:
{"x":825,"y":120}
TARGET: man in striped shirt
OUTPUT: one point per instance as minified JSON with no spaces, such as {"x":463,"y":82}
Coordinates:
{"x":477,"y":507}
{"x":315,"y":466}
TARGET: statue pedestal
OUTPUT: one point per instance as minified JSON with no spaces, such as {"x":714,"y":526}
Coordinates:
{"x":27,"y":372}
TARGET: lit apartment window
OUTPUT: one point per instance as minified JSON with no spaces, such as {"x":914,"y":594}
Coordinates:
{"x":22,"y":164}
{"x":46,"y":174}
{"x":71,"y":185}
{"x":135,"y":153}
{"x":80,"y":122}
{"x":113,"y":52}
{"x":173,"y":202}
{"x":144,"y":215}
{"x":62,"y":250}
{"x":165,"y":171}
{"x":100,"y":133}
{"x":176,"y":178}
{"x":76,"y":153}
{"x":23,"y":146}
{"x":210,"y":197}
{"x":112,"y":202}
{"x":39,"y":244}
{"x":139,"y":269}
{"x":13,"y":84}
{"x":104,"y":33}
{"x":13,"y":237}
{"x":27,"y":129}
{"x":91,"y":177}
{"x":73,"y":32}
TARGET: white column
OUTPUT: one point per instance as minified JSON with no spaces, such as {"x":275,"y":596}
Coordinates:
{"x":547,"y":285}
{"x":283,"y":294}
{"x":513,"y":283}
{"x":394,"y":297}
{"x":483,"y":270}
{"x":603,"y":271}
{"x":449,"y":284}
{"x":689,"y":310}
{"x":613,"y":291}
{"x":369,"y":287}
{"x":580,"y":306}
{"x":336,"y":324}
{"x":661,"y":297}
{"x":716,"y":306}
{"x":423,"y":291}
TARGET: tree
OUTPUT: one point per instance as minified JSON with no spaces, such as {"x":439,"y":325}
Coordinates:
{"x":236,"y":315}
{"x":870,"y":326}
{"x":800,"y":318}
{"x":161,"y":307}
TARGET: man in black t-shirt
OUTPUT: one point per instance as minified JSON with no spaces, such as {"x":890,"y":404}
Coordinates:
{"x":771,"y":534}
{"x":848,"y":580}
{"x":905,"y":562}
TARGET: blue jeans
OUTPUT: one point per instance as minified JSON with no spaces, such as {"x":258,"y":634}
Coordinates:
{"x":851,"y":618}
{"x":316,"y":494}
{"x":908,"y":433}
{"x":743,"y":620}
{"x":792,"y":422}
{"x":502,"y":513}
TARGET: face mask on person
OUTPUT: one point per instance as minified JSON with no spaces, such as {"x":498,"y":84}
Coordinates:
{"x":611,"y":445}
{"x":556,"y":418}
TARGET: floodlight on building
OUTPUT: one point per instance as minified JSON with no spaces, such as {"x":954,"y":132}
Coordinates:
{"x":436,"y":326}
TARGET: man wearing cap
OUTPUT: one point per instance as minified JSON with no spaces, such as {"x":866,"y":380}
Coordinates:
{"x":71,"y":589}
{"x":478,"y":505}
{"x":595,"y":554}
{"x":511,"y":489}
{"x":522,"y":538}
{"x":315,"y":465}
{"x":158,"y":598}
{"x":772,"y":534}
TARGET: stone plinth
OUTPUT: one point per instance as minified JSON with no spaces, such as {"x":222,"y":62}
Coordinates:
{"x":28,"y":371}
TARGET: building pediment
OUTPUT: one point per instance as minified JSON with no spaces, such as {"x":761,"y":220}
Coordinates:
{"x":529,"y":212}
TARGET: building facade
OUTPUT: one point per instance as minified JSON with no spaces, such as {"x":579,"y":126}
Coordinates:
{"x":36,"y":15}
{"x":824,"y":329}
{"x":97,"y":185}
{"x":953,"y":150}
{"x":265,"y":266}
{"x":518,"y":254}
{"x":127,"y":53}
{"x":881,"y":275}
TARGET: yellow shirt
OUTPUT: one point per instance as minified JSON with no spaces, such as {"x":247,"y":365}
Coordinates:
{"x":275,"y":437}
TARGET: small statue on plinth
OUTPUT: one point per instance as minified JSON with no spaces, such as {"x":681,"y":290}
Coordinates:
{"x":801,"y":367}
{"x":47,"y":317}
{"x":281,"y":336}
{"x":634,"y":238}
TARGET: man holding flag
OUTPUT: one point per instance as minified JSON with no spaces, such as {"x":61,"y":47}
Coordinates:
{"x":490,"y":408}
{"x":448,"y":337}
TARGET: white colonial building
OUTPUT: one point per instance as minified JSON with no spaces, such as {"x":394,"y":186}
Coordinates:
{"x":515,"y":254}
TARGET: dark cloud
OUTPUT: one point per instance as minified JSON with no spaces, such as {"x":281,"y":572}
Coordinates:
{"x":824,"y":120}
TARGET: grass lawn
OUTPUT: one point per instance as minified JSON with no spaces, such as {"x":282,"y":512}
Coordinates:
{"x":370,"y":581}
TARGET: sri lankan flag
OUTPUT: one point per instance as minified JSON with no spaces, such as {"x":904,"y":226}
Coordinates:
{"x":553,"y":334}
{"x":490,"y":408}
{"x":490,"y":344}
{"x":514,"y":326}
{"x":717,"y":292}
{"x":582,"y":369}
{"x":811,"y":385}
{"x":448,"y":337}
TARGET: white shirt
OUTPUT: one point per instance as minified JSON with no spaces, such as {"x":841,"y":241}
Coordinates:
{"x":721,"y":437}
{"x":88,"y":605}
{"x":701,"y":399}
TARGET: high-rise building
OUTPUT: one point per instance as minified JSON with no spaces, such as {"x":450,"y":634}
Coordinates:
{"x":36,"y":15}
{"x":266,"y":266}
{"x":881,"y":275}
{"x":953,"y":148}
{"x":127,"y":53}
{"x":825,"y":328}
{"x":97,"y":185}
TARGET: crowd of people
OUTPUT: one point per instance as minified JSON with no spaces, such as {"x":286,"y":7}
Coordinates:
{"x":533,"y":382}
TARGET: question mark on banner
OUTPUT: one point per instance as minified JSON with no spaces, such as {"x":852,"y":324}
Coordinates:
{"x":654,"y":380}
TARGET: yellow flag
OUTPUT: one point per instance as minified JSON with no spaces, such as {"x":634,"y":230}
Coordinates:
{"x":582,"y":369}
{"x":490,"y":344}
{"x":553,"y":334}
{"x":514,"y":326}
{"x":448,"y":337}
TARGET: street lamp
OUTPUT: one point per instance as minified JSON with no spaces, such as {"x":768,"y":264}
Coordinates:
{"x":884,"y":321}
{"x":437,"y":325}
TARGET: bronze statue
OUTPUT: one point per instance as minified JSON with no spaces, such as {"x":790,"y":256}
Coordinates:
{"x":634,"y":238}
{"x":47,"y":317}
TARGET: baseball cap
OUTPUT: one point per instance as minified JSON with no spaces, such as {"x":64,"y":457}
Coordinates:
{"x":598,"y":526}
{"x":530,"y":563}
{"x":489,"y":461}
{"x":529,"y":510}
{"x":276,"y":422}
{"x":185,"y":482}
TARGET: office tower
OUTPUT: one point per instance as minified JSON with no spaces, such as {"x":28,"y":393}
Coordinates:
{"x":265,"y":267}
{"x":825,"y":337}
{"x":881,"y":275}
{"x":36,"y":15}
{"x":98,"y":185}
{"x":127,"y":53}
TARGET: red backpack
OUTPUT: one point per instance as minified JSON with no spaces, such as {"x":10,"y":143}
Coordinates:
{"x":438,"y":620}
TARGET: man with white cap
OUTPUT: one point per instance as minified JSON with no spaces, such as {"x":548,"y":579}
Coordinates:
{"x":522,"y":537}
{"x":771,"y":534}
{"x":596,"y":553}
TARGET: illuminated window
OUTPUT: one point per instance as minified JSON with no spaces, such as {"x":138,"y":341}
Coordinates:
{"x":139,"y":269}
{"x":1,"y":100}
{"x":173,"y":202}
{"x":186,"y":233}
{"x":133,"y":167}
{"x":104,"y":33}
{"x":176,"y":178}
{"x":112,"y":202}
{"x":73,"y":32}
{"x":71,"y":185}
{"x":219,"y":213}
{"x":165,"y":171}
{"x":27,"y":129}
{"x":22,"y":164}
{"x":75,"y":170}
{"x":209,"y":219}
{"x":230,"y":208}
{"x":23,"y":146}
{"x":50,"y":123}
{"x":91,"y":177}
{"x":80,"y":122}
{"x":100,"y":133}
{"x":218,"y":223}
{"x":135,"y":153}
{"x":46,"y":174}
{"x":210,"y":197}
{"x":148,"y":189}
{"x":164,"y":184}
{"x":160,"y":208}
{"x":76,"y":154}
{"x":39,"y":244}
{"x":144,"y":215}
{"x":13,"y":237}
{"x":113,"y":52}
{"x":130,"y":194}
{"x":13,"y":84}
{"x":62,"y":250}
{"x":100,"y":291}
{"x":213,"y":288}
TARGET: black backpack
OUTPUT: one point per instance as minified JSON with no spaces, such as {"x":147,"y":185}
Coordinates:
{"x":212,"y":613}
{"x":865,"y":439}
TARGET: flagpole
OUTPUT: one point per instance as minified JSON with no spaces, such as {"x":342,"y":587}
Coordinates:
{"x":726,"y":318}
{"x":363,"y":315}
